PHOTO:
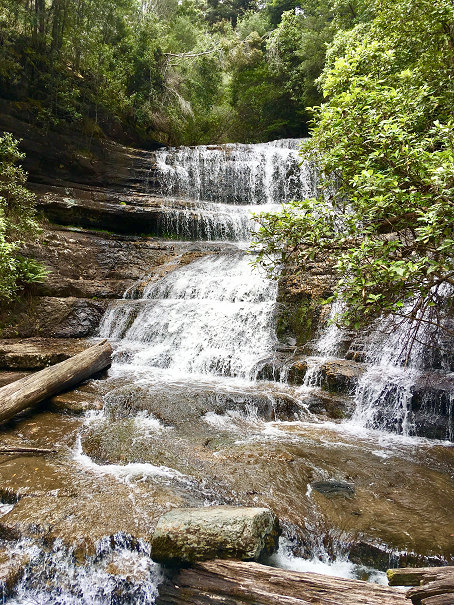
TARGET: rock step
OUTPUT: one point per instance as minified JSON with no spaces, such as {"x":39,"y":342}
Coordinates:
{"x":122,"y":213}
{"x":38,"y":353}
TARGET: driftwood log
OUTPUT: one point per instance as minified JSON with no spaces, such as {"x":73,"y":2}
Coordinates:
{"x":32,"y":389}
{"x":432,"y":585}
{"x":26,"y":450}
{"x":224,"y":582}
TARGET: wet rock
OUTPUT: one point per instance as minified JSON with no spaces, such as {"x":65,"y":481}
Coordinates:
{"x":334,"y":375}
{"x":334,"y":488}
{"x":112,"y":215}
{"x":78,"y":522}
{"x":340,"y":375}
{"x":56,"y":317}
{"x":336,"y":407}
{"x":177,"y":405}
{"x":12,"y":568}
{"x":9,"y":377}
{"x":225,"y":532}
{"x":75,"y":402}
{"x":297,"y":372}
{"x":37,"y":353}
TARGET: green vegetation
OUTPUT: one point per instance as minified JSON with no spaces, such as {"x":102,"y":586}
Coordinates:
{"x":17,"y":222}
{"x":177,"y":72}
{"x":384,"y":144}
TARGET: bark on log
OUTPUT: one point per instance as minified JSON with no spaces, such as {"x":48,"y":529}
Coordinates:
{"x":242,"y":583}
{"x":442,"y":599}
{"x":415,"y":576}
{"x":435,"y":582}
{"x":30,"y":390}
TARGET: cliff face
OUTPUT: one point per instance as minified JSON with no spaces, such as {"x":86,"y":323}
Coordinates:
{"x":74,"y":159}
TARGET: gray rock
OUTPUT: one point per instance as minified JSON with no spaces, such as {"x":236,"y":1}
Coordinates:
{"x":186,"y":535}
{"x":334,"y":488}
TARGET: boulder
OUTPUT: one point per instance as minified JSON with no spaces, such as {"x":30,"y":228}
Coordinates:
{"x":334,"y":375}
{"x":217,"y":532}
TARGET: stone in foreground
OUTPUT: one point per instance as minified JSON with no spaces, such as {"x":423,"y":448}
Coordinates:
{"x":186,"y":535}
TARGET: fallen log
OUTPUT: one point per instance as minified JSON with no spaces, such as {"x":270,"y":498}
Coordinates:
{"x":26,"y":450}
{"x":436,"y":587}
{"x":243,"y":583}
{"x":32,"y":389}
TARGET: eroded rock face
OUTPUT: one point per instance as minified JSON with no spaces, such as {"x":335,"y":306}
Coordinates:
{"x":217,"y":532}
{"x":86,"y":270}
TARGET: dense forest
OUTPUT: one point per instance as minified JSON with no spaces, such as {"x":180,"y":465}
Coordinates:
{"x":172,"y":71}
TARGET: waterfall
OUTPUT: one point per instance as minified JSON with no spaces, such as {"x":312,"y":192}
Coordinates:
{"x":267,"y":173}
{"x":210,"y":191}
{"x":408,"y":387}
{"x":215,"y":316}
{"x":212,"y":317}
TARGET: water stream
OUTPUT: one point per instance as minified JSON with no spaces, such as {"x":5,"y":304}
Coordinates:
{"x":186,"y":422}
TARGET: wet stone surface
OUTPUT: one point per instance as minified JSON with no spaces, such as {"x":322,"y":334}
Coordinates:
{"x":134,"y":466}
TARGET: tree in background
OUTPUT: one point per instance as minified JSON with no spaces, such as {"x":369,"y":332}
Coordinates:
{"x":188,"y":72}
{"x":17,"y":222}
{"x":384,"y":146}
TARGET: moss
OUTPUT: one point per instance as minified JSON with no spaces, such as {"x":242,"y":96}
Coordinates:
{"x":298,"y":320}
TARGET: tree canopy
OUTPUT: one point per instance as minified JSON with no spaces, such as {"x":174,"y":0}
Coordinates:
{"x":383,"y":143}
{"x":178,"y":72}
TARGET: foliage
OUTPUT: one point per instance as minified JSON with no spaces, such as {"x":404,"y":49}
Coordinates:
{"x":17,"y":222}
{"x":176,"y":72}
{"x":384,"y":146}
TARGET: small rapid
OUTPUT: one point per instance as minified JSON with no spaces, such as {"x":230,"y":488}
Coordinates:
{"x":211,"y":317}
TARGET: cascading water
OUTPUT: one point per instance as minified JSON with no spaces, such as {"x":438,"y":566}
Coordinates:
{"x":212,"y":317}
{"x":212,"y":191}
{"x":215,"y":316}
{"x":408,"y":386}
{"x":186,"y":422}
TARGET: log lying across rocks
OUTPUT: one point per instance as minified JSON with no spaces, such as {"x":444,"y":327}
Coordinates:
{"x":243,"y":583}
{"x":32,"y":389}
{"x":432,"y":585}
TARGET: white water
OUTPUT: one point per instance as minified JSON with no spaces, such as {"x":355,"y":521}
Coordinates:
{"x":211,"y":317}
{"x":215,"y":315}
{"x":268,"y":173}
{"x":385,"y":394}
{"x":117,"y":574}
{"x":212,"y":192}
{"x":209,"y":324}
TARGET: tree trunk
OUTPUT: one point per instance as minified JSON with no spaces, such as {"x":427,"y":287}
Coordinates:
{"x":432,"y":585}
{"x":27,"y":391}
{"x":241,"y":583}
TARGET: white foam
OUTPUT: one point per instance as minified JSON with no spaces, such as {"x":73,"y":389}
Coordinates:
{"x":124,"y":472}
{"x":340,"y":567}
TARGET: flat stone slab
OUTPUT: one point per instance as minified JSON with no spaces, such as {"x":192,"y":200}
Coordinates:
{"x":186,"y":535}
{"x":38,"y":353}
